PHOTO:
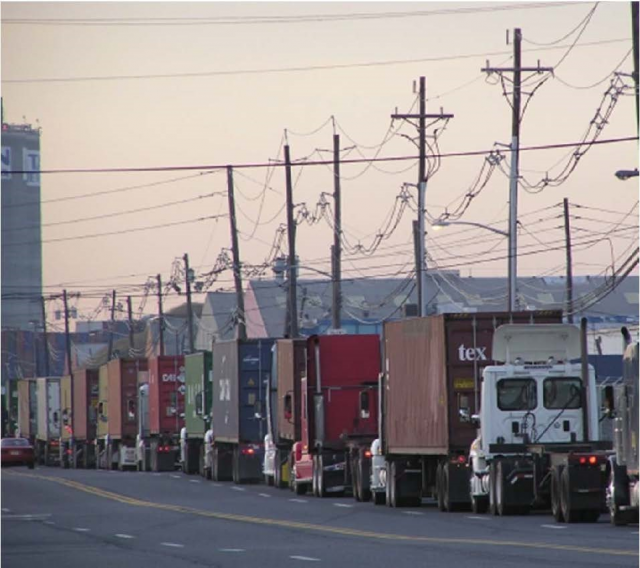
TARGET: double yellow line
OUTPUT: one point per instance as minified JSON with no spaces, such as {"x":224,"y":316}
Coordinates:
{"x":322,"y":528}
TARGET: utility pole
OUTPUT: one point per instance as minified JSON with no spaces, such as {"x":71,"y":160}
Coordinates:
{"x":336,"y":249}
{"x":421,"y":267}
{"x":44,"y":336}
{"x":160,"y":316}
{"x":189,"y":310}
{"x":67,"y":337}
{"x":634,"y":32}
{"x":241,"y":329}
{"x":291,"y":233}
{"x":567,"y":237}
{"x":130,"y":318}
{"x":113,"y":322}
{"x":517,"y":71}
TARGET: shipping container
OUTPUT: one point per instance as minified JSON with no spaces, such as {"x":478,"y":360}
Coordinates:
{"x":117,"y":408}
{"x":339,"y":415}
{"x":65,"y":408}
{"x":283,"y":409}
{"x":164,"y":394}
{"x":10,"y":408}
{"x":241,"y":379}
{"x":49,"y":420}
{"x":199,"y":384}
{"x":432,"y":373}
{"x":27,"y":408}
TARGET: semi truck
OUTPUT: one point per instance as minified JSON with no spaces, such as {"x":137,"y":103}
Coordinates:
{"x":537,"y":444}
{"x":79,"y":420}
{"x":197,"y":413}
{"x":165,"y":399}
{"x":283,"y":409}
{"x":48,"y":421}
{"x":241,"y":379}
{"x":430,"y":382}
{"x":118,"y":412}
{"x":339,"y":415}
{"x":622,"y":492}
{"x":27,"y":409}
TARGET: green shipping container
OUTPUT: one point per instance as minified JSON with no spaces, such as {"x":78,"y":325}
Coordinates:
{"x":199,"y":376}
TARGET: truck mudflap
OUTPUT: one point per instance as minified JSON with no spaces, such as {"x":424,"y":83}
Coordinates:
{"x":587,"y":486}
{"x":247,"y":466}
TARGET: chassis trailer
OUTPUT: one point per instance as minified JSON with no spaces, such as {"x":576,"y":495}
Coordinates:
{"x":194,"y":456}
{"x":339,"y":415}
{"x":538,"y":446}
{"x":432,"y":369}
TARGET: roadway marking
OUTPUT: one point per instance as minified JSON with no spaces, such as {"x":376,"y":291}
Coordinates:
{"x":49,"y":523}
{"x":175,"y":476}
{"x":327,"y":529}
{"x":343,"y":505}
{"x":298,"y":500}
{"x":172,"y":544}
{"x":194,"y":481}
{"x":35,"y":517}
{"x":478,"y":518}
{"x":412,"y":513}
{"x":4,"y":510}
{"x":79,"y":529}
{"x":156,"y":474}
{"x":124,"y":536}
{"x":230,"y":549}
{"x":238,"y":488}
{"x":216,"y":485}
{"x":307,"y":558}
{"x":264,"y":495}
{"x":553,"y":527}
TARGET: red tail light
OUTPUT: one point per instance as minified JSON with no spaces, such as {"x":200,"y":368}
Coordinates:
{"x":593,"y":460}
{"x":167,"y":449}
{"x":367,"y":453}
{"x":248,"y":451}
{"x":583,"y":460}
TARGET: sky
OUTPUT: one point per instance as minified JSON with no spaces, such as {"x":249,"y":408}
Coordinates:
{"x":208,"y":84}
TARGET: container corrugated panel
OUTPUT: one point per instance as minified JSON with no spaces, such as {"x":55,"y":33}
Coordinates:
{"x":343,"y":367}
{"x":198,"y":380}
{"x":241,"y":375}
{"x":65,"y":407}
{"x":166,"y":395}
{"x":85,"y":403}
{"x":292,"y":363}
{"x":24,"y":409}
{"x":434,"y":366}
{"x":123,"y":397}
{"x":48,"y":418}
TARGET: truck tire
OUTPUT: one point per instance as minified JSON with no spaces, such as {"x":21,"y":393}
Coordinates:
{"x":277,"y":473}
{"x":556,"y":506}
{"x":439,"y":489}
{"x":235,"y":467}
{"x":570,"y":515}
{"x":321,"y":481}
{"x":355,"y":479}
{"x":617,"y":495}
{"x":364,"y":477}
{"x":502,"y":498}
{"x":391,"y":485}
{"x":493,"y":509}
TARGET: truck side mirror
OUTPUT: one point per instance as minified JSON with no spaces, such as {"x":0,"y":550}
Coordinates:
{"x":199,"y":405}
{"x":609,"y":404}
{"x":364,"y":404}
{"x":288,"y":408}
{"x":464,"y":415}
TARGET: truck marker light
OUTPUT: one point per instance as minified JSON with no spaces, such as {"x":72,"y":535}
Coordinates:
{"x":462,"y":459}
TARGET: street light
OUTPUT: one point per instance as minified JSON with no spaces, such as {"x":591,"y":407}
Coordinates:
{"x":511,"y":272}
{"x":624,"y":175}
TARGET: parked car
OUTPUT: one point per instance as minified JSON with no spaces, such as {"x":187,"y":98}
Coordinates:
{"x":17,"y":451}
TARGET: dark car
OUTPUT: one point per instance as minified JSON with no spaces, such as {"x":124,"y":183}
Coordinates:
{"x":17,"y":451}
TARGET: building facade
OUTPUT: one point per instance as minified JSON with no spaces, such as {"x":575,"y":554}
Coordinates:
{"x":21,"y":227}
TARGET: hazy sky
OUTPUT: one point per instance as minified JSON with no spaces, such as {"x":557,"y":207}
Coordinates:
{"x":260,"y":68}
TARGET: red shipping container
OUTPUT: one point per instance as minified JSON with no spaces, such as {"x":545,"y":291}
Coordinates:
{"x":85,"y":403}
{"x":166,"y":395}
{"x":344,"y":369}
{"x":123,"y":396}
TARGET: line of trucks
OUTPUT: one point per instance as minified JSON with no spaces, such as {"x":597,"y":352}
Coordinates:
{"x":496,"y":412}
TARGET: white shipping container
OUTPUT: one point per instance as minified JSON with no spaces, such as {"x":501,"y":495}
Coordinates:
{"x":48,"y":395}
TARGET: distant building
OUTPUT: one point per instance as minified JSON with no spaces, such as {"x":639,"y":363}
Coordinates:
{"x":21,"y":227}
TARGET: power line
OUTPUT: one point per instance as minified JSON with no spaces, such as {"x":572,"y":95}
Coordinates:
{"x":292,"y":69}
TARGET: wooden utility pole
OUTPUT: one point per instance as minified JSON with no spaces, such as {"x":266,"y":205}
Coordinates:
{"x":634,"y":32}
{"x":291,"y":233}
{"x":567,"y":237}
{"x":421,"y":267}
{"x":160,"y":316}
{"x":113,"y":322}
{"x":241,"y":329}
{"x":44,"y":336}
{"x":130,"y":318}
{"x":336,"y":249}
{"x":517,"y":71}
{"x":189,"y":310}
{"x":67,"y":338}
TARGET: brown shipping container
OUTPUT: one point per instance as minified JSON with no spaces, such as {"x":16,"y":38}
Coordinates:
{"x":65,"y":407}
{"x":433,"y":366}
{"x":23,"y":409}
{"x":85,"y":403}
{"x":123,"y":397}
{"x":292,"y":365}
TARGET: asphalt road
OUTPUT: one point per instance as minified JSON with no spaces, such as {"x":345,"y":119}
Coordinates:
{"x":76,"y":518}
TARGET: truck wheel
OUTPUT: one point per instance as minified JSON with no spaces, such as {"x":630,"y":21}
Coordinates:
{"x":439,"y":491}
{"x":322,"y":490}
{"x":391,"y":485}
{"x":235,"y":467}
{"x":363,"y":480}
{"x":277,"y":474}
{"x":569,"y":514}
{"x":446,"y":497}
{"x":355,"y":480}
{"x":617,"y":494}
{"x":556,"y":508}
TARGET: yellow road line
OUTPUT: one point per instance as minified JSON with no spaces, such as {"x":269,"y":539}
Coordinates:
{"x":321,"y":528}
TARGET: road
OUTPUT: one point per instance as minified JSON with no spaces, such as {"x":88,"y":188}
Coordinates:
{"x":78,"y":518}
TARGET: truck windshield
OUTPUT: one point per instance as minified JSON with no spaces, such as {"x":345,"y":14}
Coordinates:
{"x":562,"y":392}
{"x":517,"y":394}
